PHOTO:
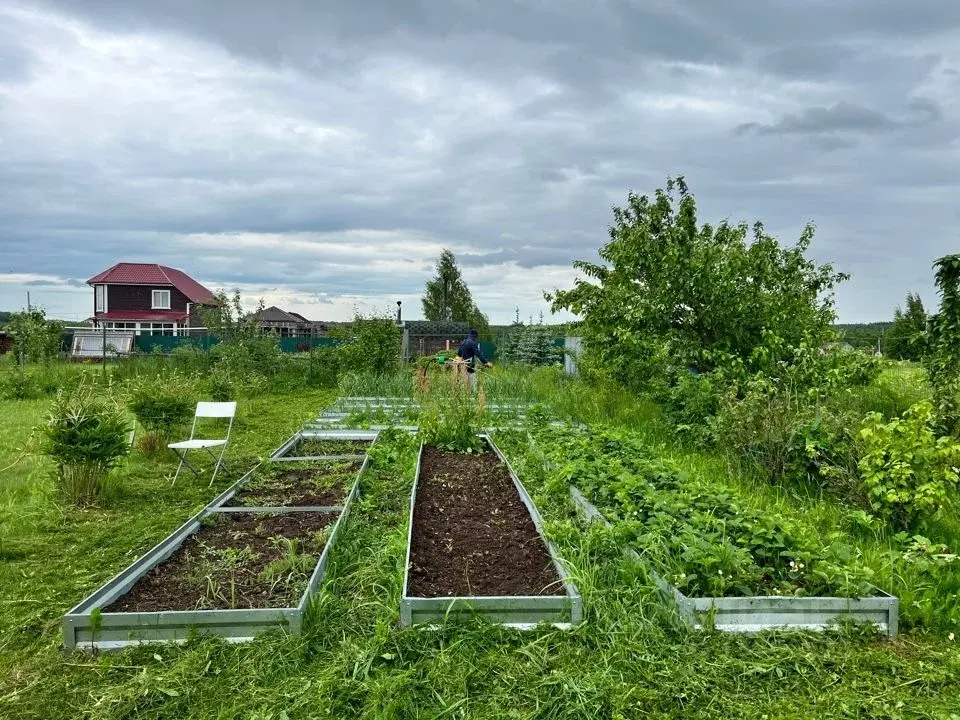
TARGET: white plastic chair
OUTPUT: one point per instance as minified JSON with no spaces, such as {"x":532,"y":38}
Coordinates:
{"x":223,"y":410}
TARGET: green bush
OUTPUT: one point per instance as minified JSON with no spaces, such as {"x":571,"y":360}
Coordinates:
{"x":86,"y":434}
{"x":371,"y":344}
{"x":36,"y":339}
{"x":907,"y":471}
{"x":756,"y":424}
{"x":324,"y":367}
{"x":162,"y":405}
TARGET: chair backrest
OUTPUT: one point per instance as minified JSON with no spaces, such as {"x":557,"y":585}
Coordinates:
{"x":216,"y":409}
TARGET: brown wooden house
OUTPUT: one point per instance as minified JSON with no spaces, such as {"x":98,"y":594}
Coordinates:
{"x":148,"y":299}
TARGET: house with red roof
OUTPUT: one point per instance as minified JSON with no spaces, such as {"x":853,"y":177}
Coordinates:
{"x":147,"y":298}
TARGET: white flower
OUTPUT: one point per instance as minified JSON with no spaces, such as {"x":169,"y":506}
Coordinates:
{"x":950,"y":636}
{"x":801,"y":566}
{"x":720,"y":573}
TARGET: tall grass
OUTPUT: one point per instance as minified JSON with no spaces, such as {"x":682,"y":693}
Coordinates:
{"x":398,"y":384}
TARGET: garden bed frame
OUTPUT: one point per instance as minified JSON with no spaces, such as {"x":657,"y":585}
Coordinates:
{"x":109,"y":630}
{"x":309,"y":433}
{"x":770,"y":612}
{"x":515,"y":611}
{"x":337,"y":414}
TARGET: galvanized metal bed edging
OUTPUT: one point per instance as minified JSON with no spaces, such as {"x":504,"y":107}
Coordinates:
{"x":308,"y":432}
{"x":520,"y":612}
{"x":124,"y":574}
{"x":769,"y":612}
{"x":405,"y":611}
{"x":116,"y":630}
{"x":224,"y":507}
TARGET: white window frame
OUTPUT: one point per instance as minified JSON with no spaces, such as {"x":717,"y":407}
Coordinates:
{"x":153,"y":300}
{"x":100,"y":298}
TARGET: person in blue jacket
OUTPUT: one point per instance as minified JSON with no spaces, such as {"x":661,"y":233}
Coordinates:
{"x":469,"y":352}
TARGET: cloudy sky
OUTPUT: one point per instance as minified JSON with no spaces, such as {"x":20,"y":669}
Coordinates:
{"x":320,"y":153}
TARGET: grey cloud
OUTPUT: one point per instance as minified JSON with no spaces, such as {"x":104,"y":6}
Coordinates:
{"x":526,"y":257}
{"x":842,"y":117}
{"x":520,"y":180}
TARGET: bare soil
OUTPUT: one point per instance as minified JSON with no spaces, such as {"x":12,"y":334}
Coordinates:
{"x":224,"y":565}
{"x":472,"y":534}
{"x":318,"y":485}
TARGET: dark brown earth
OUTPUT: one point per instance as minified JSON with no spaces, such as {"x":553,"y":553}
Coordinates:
{"x":320,"y":446}
{"x":472,"y":534}
{"x":323,"y":485}
{"x":207,"y":573}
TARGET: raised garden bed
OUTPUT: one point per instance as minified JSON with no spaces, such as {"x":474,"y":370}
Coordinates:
{"x":476,"y":546}
{"x":234,"y":561}
{"x":203,"y":578}
{"x":325,"y":444}
{"x":756,"y":613}
{"x":314,"y":483}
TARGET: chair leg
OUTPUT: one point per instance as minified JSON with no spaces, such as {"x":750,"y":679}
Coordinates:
{"x":183,"y":461}
{"x":179,"y":467}
{"x":219,"y":463}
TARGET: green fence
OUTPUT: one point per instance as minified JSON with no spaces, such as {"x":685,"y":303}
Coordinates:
{"x":167,"y":344}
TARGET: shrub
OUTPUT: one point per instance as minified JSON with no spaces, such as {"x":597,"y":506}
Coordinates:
{"x":907,"y":471}
{"x":371,"y":344}
{"x":36,"y":339}
{"x":162,"y":405}
{"x":324,"y":368}
{"x":756,"y":423}
{"x":86,"y":434}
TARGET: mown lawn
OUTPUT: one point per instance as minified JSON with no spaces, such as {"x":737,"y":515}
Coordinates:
{"x":630,"y":659}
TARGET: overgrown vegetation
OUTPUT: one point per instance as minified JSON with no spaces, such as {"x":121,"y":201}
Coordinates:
{"x":162,"y":405}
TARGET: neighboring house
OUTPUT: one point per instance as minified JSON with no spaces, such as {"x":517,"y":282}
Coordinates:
{"x":289,"y":324}
{"x":148,"y":299}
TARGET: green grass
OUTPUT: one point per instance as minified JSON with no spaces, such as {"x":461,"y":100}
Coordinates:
{"x":630,"y":659}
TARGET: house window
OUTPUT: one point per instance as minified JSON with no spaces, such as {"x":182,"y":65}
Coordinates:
{"x":100,"y":292}
{"x":157,"y":329}
{"x":161,"y":299}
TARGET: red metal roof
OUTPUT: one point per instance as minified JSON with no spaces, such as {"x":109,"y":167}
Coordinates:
{"x":142,"y":315}
{"x":125,"y":273}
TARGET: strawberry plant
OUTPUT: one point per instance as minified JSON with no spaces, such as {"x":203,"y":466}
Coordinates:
{"x":702,"y":537}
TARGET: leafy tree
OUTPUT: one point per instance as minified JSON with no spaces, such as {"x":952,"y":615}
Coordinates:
{"x":671,"y":293}
{"x":942,"y":359}
{"x":36,"y":339}
{"x":906,"y":336}
{"x":228,"y":321}
{"x":446,"y":297}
